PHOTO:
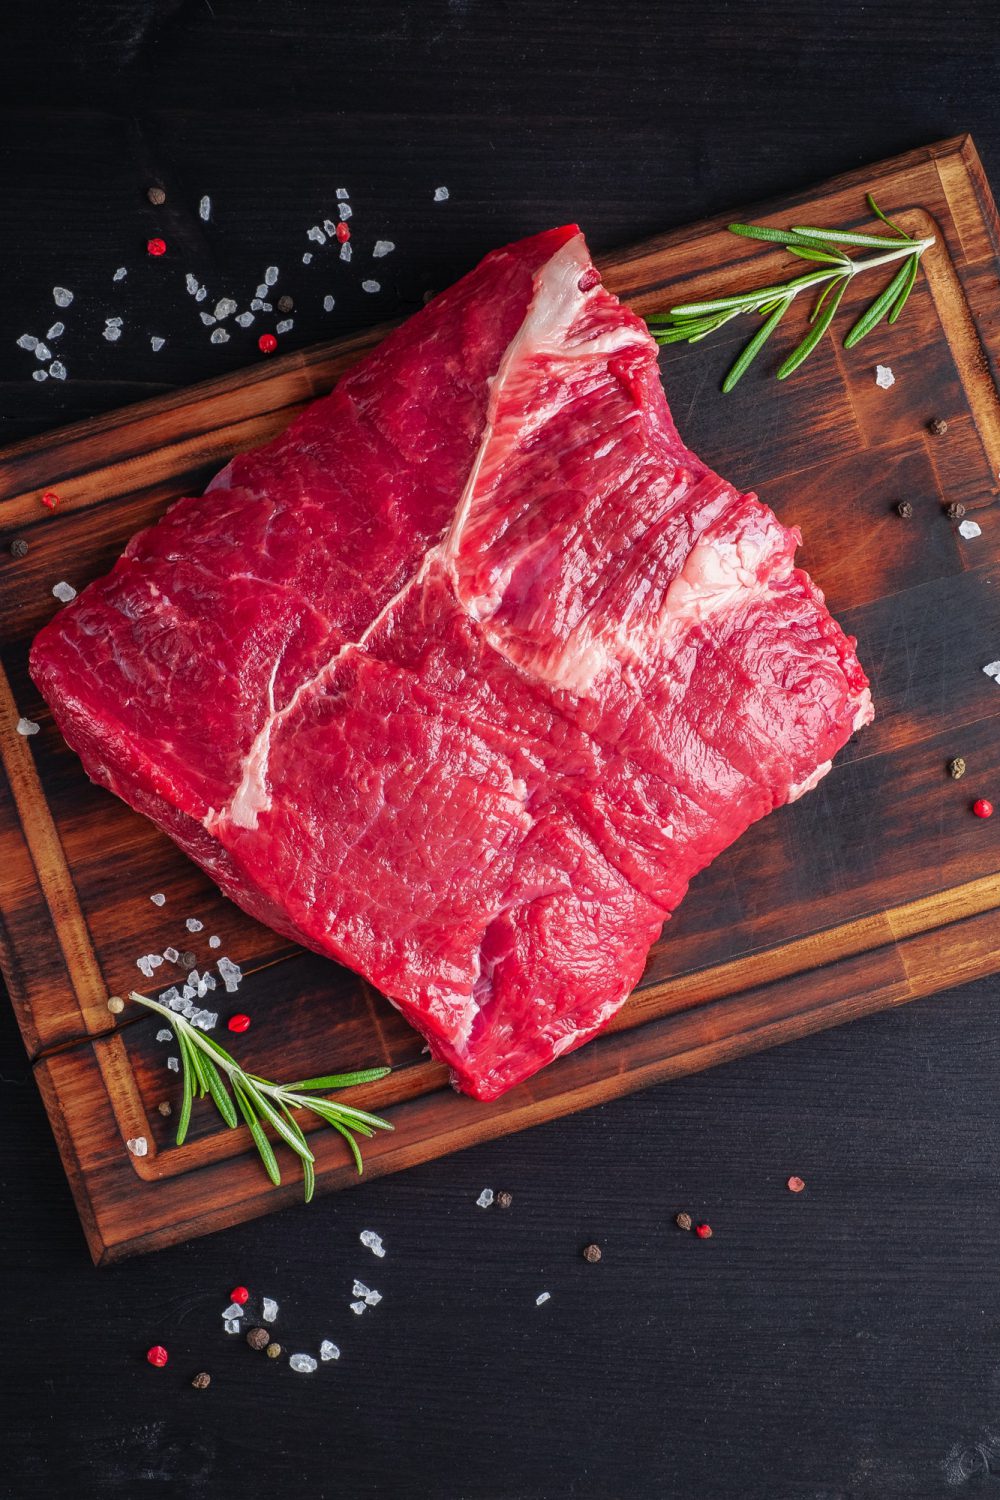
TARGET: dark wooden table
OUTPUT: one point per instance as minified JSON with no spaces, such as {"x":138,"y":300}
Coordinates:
{"x":840,"y":1343}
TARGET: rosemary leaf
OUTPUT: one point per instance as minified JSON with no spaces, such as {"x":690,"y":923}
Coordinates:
{"x":814,"y":335}
{"x":879,"y":214}
{"x":219,"y":1093}
{"x":260,"y":1140}
{"x":308,"y":1180}
{"x":754,"y":347}
{"x":352,"y":1143}
{"x":759,"y":232}
{"x":337,"y":1080}
{"x":184,"y":1118}
{"x":912,"y":267}
{"x":847,"y":237}
{"x":878,"y":309}
{"x":806,"y":252}
{"x":266,"y":1109}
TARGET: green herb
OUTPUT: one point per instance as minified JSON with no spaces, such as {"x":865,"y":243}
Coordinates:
{"x":206,"y":1067}
{"x":693,"y":321}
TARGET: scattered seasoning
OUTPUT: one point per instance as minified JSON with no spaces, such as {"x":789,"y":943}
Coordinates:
{"x":157,"y":1356}
{"x":938,"y":426}
{"x":156,"y":247}
{"x":64,"y":592}
{"x":239,"y":1294}
{"x":273,"y":1351}
{"x":19,"y":547}
{"x":485,"y":1198}
{"x":504,"y":1199}
{"x":884,"y":377}
{"x":592,"y":1254}
{"x":165,"y":1107}
{"x":684,"y":1221}
{"x":205,"y":209}
{"x":303,"y":1364}
{"x":969,"y":529}
{"x":343,"y":233}
{"x":156,"y":196}
{"x":956,"y":768}
{"x":543,"y":1297}
{"x":258,"y":1338}
{"x":328,"y":1350}
{"x":138,"y":1145}
{"x":187,"y":960}
{"x":50,"y":499}
{"x":795,"y":1184}
{"x":956,"y":510}
{"x":203,"y":1379}
{"x":286,"y":304}
{"x":239,"y":1022}
{"x":983,"y":808}
{"x":26,"y":727}
{"x":267,"y":343}
{"x":372,"y":1242}
{"x":441,"y":195}
{"x":703,"y":1231}
{"x":905,"y":509}
{"x":270,"y":1311}
{"x":116,"y":1005}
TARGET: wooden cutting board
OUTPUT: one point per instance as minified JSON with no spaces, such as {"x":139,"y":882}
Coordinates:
{"x":877,"y":887}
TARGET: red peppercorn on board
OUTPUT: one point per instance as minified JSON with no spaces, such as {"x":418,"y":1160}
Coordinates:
{"x":878,"y":886}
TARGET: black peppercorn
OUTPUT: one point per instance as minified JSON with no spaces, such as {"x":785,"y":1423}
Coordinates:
{"x":188,"y":960}
{"x":938,"y":427}
{"x":504,"y":1200}
{"x":592,"y":1254}
{"x":285,"y":304}
{"x":258,"y":1338}
{"x":683,"y":1221}
{"x":956,"y":510}
{"x":905,"y":509}
{"x":202,"y":1381}
{"x":165,"y":1107}
{"x":156,"y":196}
{"x":19,"y":547}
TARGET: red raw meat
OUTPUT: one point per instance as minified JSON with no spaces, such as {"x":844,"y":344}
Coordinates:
{"x":462,"y":678}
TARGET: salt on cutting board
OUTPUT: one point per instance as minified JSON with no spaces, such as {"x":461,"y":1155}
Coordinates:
{"x":864,"y":894}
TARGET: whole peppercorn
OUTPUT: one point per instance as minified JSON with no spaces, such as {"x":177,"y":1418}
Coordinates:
{"x":956,"y":768}
{"x":956,"y":510}
{"x":239,"y":1294}
{"x":795,"y":1184}
{"x":703,"y":1231}
{"x":286,"y":304}
{"x":156,"y":247}
{"x":938,"y":426}
{"x":157,"y":1356}
{"x":19,"y":547}
{"x":239,"y":1022}
{"x":683,"y":1221}
{"x":905,"y":509}
{"x":165,"y":1107}
{"x":592,"y":1254}
{"x":267,"y":343}
{"x":188,"y":960}
{"x":156,"y":196}
{"x":273,"y":1351}
{"x":258,"y":1338}
{"x":504,"y":1199}
{"x":116,"y":1005}
{"x":983,"y":808}
{"x":202,"y":1381}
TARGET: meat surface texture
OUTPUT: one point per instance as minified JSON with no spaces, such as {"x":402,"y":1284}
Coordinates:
{"x":461,"y":679}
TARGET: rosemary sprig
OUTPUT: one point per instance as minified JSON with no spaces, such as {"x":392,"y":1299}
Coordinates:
{"x":206,"y":1067}
{"x":693,"y":321}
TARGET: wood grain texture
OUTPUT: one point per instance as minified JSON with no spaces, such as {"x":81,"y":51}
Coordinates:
{"x":877,"y":888}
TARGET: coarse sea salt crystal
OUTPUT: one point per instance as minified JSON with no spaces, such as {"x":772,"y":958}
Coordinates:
{"x":330,"y":227}
{"x":231,"y":974}
{"x":343,"y":193}
{"x":27,"y":341}
{"x":219,"y":336}
{"x":171,"y":955}
{"x":174,"y":1064}
{"x":265,"y":307}
{"x":120,"y":274}
{"x":208,"y":980}
{"x":992,"y":669}
{"x":232,"y":1325}
{"x":164,"y":1035}
{"x":214,"y":941}
{"x":373,"y":1242}
{"x":62,"y":296}
{"x":358,"y":1307}
{"x":156,"y":344}
{"x":304,"y":1363}
{"x":191,"y":282}
{"x":205,"y":209}
{"x":64,"y":592}
{"x":187,"y":993}
{"x":371,"y":286}
{"x":112,"y":332}
{"x":193,"y":925}
{"x":261,"y":291}
{"x":441,"y":195}
{"x":201,"y":294}
{"x":155,"y":960}
{"x":138,"y":1145}
{"x":42,"y":351}
{"x":316,"y":234}
{"x":542,"y":1297}
{"x":383,"y":247}
{"x":205,"y":1020}
{"x":225,"y":307}
{"x":346,"y":252}
{"x":245,"y":319}
{"x":144,"y":966}
{"x":26,"y":727}
{"x":969,"y":529}
{"x":270,"y":275}
{"x":485,"y":1198}
{"x":328,"y":1350}
{"x":56,"y":331}
{"x":307,"y":258}
{"x":285,"y":326}
{"x":345,"y":210}
{"x":270,"y":1310}
{"x":159,"y":899}
{"x":360,"y":1290}
{"x":39,"y":374}
{"x":328,"y":303}
{"x":884,"y":376}
{"x":169,"y":996}
{"x":234,"y":1310}
{"x":57,"y":370}
{"x":208,"y":318}
{"x":256,"y":304}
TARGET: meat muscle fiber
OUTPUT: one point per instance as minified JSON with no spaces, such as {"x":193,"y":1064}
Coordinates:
{"x":462,"y":678}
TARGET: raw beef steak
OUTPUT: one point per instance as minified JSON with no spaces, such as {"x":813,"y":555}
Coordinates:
{"x":462,"y":678}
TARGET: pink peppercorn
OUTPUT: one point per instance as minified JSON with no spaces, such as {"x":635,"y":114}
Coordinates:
{"x":343,"y":233}
{"x":238,"y":1023}
{"x":50,"y":499}
{"x":267,"y":343}
{"x":983,"y":808}
{"x":703,"y":1231}
{"x":239,"y":1294}
{"x":156,"y":247}
{"x":157,"y":1356}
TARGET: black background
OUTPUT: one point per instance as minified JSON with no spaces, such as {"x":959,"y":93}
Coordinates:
{"x":842,"y":1343}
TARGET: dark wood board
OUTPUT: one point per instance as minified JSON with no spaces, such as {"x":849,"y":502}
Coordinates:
{"x":876,"y":888}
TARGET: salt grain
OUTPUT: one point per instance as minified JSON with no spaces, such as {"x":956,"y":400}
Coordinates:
{"x":245,"y":319}
{"x":884,"y":377}
{"x":316,"y":234}
{"x":205,"y":209}
{"x":271,"y":275}
{"x":156,"y":344}
{"x":155,"y":960}
{"x":174,"y":1064}
{"x":169,"y":996}
{"x":234,"y":1310}
{"x":120,"y":274}
{"x":219,"y":336}
{"x":164,"y":1035}
{"x":328,"y":304}
{"x":345,"y":210}
{"x":191,"y":282}
{"x":214,"y":942}
{"x":303,"y":1363}
{"x":256,"y":304}
{"x":346,"y":252}
{"x":159,"y":899}
{"x":230,"y":974}
{"x":64,"y":592}
{"x":138,"y":1145}
{"x":371,"y":286}
{"x":265,"y":307}
{"x":542,"y":1297}
{"x":372,"y":1242}
{"x":231,"y":1325}
{"x":39,"y":374}
{"x":328,"y":1350}
{"x":330,"y":228}
{"x":358,"y":1307}
{"x":27,"y":727}
{"x":201,"y":294}
{"x":261,"y":291}
{"x":56,"y":331}
{"x":57,"y":370}
{"x":208,"y":980}
{"x":307,"y":258}
{"x":112,"y":332}
{"x":224,"y":308}
{"x":342,"y":193}
{"x":42,"y":351}
{"x":441,"y":195}
{"x":285,"y":326}
{"x":270,"y":1311}
{"x":992,"y":669}
{"x":208,"y":319}
{"x":171,"y":955}
{"x":383,"y":247}
{"x":144,"y":966}
{"x":485,"y":1198}
{"x":27,"y":341}
{"x":193,"y":925}
{"x":366,"y":1293}
{"x":969,"y":529}
{"x":61,"y":296}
